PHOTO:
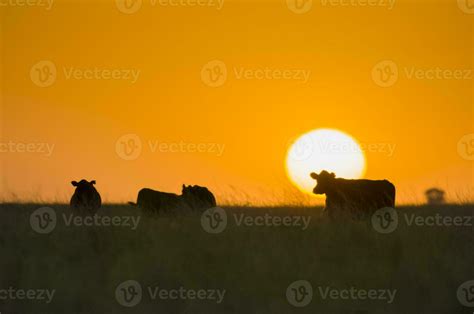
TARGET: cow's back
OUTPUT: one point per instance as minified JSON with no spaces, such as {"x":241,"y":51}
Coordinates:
{"x":371,"y":190}
{"x":156,"y":201}
{"x":361,"y":197}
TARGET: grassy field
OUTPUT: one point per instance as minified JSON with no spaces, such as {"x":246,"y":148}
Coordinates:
{"x":423,"y":265}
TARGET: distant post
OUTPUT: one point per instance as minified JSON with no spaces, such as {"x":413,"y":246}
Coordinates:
{"x":435,"y":196}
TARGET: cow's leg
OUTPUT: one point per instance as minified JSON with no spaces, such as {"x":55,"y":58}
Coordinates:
{"x":325,"y":213}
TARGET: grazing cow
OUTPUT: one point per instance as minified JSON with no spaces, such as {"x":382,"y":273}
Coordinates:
{"x":192,"y":198}
{"x":86,"y":199}
{"x":358,"y":198}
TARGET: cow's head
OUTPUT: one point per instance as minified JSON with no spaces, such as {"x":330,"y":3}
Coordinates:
{"x":198,"y":197}
{"x":324,"y":180}
{"x":83,"y":184}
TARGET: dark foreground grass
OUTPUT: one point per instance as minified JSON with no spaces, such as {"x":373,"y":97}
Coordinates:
{"x":254,"y":264}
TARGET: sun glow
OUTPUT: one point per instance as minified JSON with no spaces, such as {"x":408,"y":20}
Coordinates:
{"x":323,"y":149}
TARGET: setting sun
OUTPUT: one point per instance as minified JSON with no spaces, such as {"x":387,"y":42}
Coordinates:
{"x":323,"y":149}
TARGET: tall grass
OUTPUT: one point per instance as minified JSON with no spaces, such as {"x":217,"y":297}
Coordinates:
{"x":254,"y":264}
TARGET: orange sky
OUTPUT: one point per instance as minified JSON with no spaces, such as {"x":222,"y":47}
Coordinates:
{"x":251,"y":118}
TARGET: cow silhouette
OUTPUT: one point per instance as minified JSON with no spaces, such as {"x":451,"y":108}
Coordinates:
{"x":86,"y":199}
{"x":192,"y":198}
{"x":353,"y":198}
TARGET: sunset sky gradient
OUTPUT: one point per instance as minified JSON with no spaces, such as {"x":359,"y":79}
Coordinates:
{"x":252,"y":119}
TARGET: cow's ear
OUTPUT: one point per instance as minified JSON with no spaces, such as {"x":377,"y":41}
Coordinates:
{"x":314,"y":175}
{"x":333,"y":175}
{"x":74,"y":183}
{"x":93,"y":182}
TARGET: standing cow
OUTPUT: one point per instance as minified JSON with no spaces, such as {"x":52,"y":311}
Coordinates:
{"x":86,"y":199}
{"x":193,"y":198}
{"x":358,"y":198}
